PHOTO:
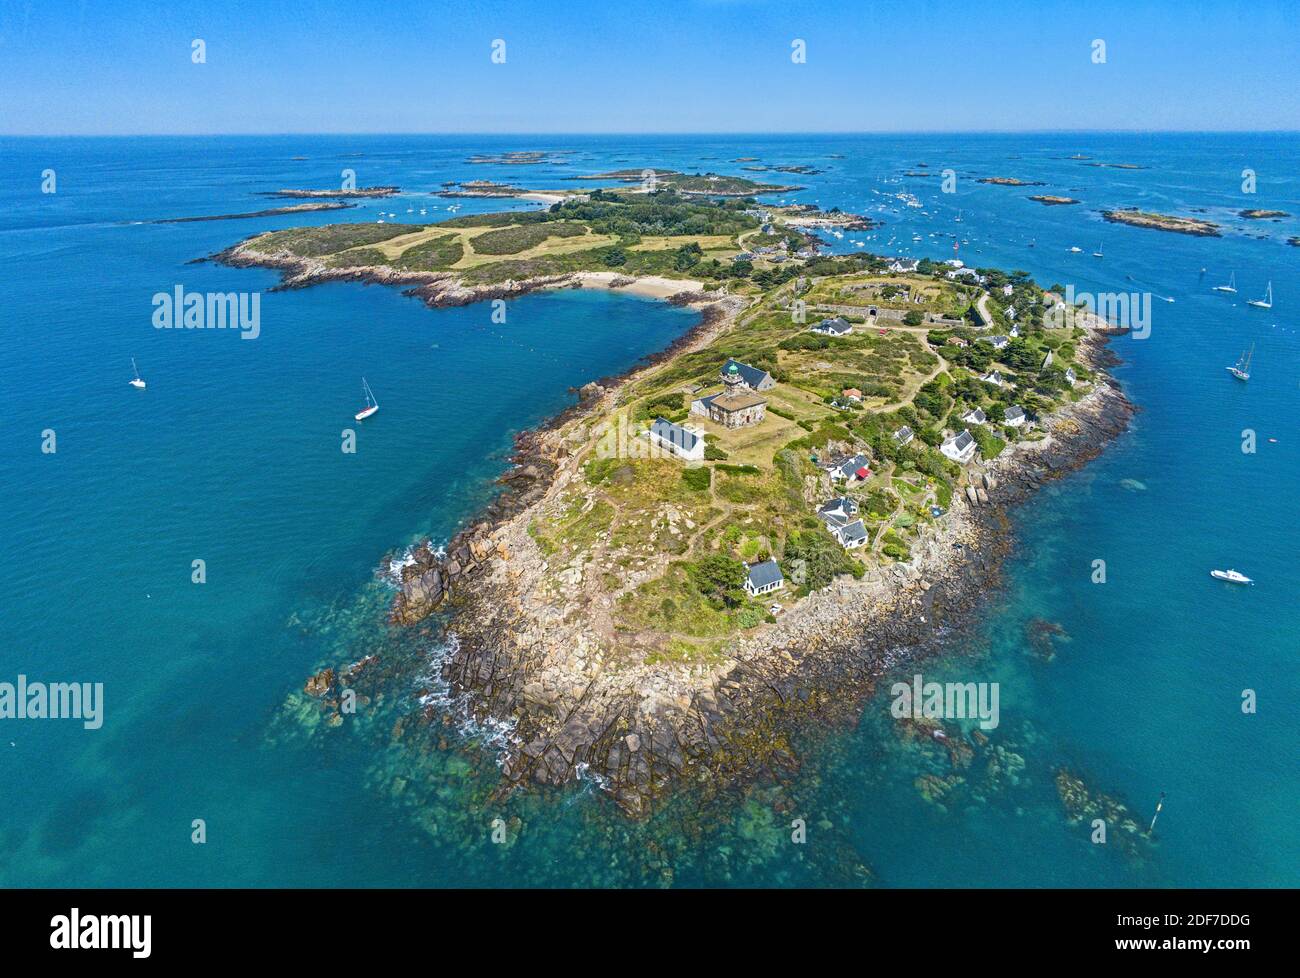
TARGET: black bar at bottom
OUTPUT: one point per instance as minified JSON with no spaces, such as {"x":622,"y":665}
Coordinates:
{"x":333,"y":927}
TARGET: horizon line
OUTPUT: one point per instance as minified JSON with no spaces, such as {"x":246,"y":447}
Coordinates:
{"x":658,"y":132}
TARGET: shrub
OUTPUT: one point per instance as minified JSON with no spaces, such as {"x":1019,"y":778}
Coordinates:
{"x":697,"y":480}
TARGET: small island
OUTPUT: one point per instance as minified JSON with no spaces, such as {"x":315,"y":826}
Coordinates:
{"x":529,"y":157}
{"x":1051,"y":200}
{"x":1259,"y":215}
{"x":698,"y":184}
{"x":1163,"y":222}
{"x":1010,"y":182}
{"x":479,"y":188}
{"x":268,"y":212}
{"x":736,"y":537}
{"x":354,"y":192}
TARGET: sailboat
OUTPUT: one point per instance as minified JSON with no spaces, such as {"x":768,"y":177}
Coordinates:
{"x":1264,"y":303}
{"x":1231,"y":287}
{"x":136,"y":381}
{"x":371,"y":404}
{"x":1242,"y":370}
{"x":1097,"y":253}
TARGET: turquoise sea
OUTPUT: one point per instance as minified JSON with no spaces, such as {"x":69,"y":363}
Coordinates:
{"x":232,"y":455}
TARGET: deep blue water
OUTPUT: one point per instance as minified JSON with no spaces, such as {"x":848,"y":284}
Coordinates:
{"x":232,"y":455}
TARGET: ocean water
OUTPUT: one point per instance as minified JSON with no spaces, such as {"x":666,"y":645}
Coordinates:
{"x":232,"y":455}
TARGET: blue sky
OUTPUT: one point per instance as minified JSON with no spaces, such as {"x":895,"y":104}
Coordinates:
{"x":648,"y":66}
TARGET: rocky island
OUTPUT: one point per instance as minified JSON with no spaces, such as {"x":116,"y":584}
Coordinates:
{"x":698,"y":184}
{"x":1163,"y":222}
{"x":1051,"y":200}
{"x":1259,"y":215}
{"x":266,"y":212}
{"x":354,"y":192}
{"x":745,"y":533}
{"x":1010,"y":182}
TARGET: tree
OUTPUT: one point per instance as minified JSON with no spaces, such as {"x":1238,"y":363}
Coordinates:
{"x":720,"y":578}
{"x":615,"y":257}
{"x":687,"y":256}
{"x":913,"y":318}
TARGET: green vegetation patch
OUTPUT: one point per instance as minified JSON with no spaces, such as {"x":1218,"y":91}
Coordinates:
{"x":316,"y":242}
{"x":519,"y":238}
{"x":434,"y":255}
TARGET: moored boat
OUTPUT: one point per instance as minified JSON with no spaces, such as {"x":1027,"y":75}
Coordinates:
{"x":1264,"y":303}
{"x":372,"y":405}
{"x":1242,"y":368}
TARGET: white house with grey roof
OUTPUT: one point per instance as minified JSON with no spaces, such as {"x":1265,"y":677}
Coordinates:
{"x":992,"y":377}
{"x":1014,"y":416}
{"x":674,"y":438}
{"x":839,"y":326}
{"x":975,"y":416}
{"x":841,"y":518}
{"x":904,"y":435}
{"x":855,"y":468}
{"x":997,"y":342}
{"x":852,"y":536}
{"x":1070,"y":377}
{"x":960,"y":448}
{"x":764,"y":578}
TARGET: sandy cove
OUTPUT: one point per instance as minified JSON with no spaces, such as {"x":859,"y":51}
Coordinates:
{"x":650,"y":286}
{"x":639,"y":728}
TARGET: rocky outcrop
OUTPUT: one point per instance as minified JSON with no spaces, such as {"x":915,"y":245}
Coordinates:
{"x":1163,"y":222}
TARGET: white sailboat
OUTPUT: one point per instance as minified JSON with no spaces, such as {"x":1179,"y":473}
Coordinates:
{"x":1231,"y":287}
{"x":1242,"y":369}
{"x":372,"y":405}
{"x":1097,"y":253}
{"x":1264,"y":303}
{"x":1232,"y":576}
{"x":136,"y":381}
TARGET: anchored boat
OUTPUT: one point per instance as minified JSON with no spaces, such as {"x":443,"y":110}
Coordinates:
{"x":1264,"y":303}
{"x":1242,"y":370}
{"x":137,"y":382}
{"x":372,"y":405}
{"x":1230,"y":287}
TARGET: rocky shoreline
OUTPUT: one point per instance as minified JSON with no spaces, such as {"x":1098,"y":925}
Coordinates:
{"x":438,"y":290}
{"x":639,"y":729}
